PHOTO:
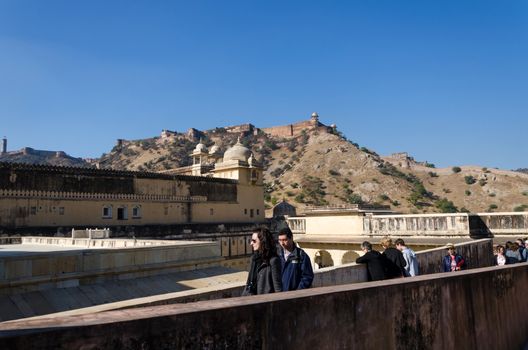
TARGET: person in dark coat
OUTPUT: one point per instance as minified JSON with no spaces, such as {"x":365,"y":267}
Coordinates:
{"x":265,"y":271}
{"x":375,"y":261}
{"x":297,"y":272}
{"x":395,"y":261}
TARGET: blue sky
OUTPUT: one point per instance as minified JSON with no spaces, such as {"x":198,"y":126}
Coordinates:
{"x":446,"y":81}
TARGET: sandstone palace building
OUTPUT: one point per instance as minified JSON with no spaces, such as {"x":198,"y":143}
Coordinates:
{"x":217,"y":188}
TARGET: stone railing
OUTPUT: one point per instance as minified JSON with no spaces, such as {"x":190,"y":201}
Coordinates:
{"x":10,"y":240}
{"x":92,"y":233}
{"x":346,"y":207}
{"x":417,"y":225}
{"x":99,"y":196}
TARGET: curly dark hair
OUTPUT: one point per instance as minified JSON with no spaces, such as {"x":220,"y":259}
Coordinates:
{"x":267,"y":247}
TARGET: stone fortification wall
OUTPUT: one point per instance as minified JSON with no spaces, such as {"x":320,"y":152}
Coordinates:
{"x":293,"y":129}
{"x":442,"y":311}
{"x":280,"y":131}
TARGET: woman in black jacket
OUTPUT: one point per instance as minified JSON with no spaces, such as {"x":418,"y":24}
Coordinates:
{"x":265,"y":272}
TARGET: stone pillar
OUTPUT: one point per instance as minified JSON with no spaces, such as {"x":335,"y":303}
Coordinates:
{"x":4,"y":145}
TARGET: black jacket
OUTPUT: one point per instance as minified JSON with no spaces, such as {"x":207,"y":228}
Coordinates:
{"x":264,"y":277}
{"x":375,"y":265}
{"x":395,"y":263}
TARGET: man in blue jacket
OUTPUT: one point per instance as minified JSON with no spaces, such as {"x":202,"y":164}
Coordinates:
{"x":297,"y":272}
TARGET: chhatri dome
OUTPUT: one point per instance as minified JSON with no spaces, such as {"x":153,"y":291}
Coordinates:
{"x":200,"y":148}
{"x":237,"y":152}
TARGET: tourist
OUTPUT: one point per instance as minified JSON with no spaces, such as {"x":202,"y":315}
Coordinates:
{"x":453,"y":261}
{"x":395,"y":263}
{"x":411,"y":267}
{"x":500,"y":258}
{"x":375,"y":261}
{"x":512,"y":251}
{"x":265,"y":271}
{"x":522,"y":249}
{"x":297,"y":272}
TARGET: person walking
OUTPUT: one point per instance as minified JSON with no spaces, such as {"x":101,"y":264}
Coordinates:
{"x":297,"y":272}
{"x":265,"y":271}
{"x":411,"y":267}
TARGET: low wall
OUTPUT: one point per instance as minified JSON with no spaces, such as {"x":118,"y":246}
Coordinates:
{"x":57,"y":269}
{"x":462,"y":310}
{"x":512,"y":225}
{"x":478,"y":254}
{"x":417,"y":225}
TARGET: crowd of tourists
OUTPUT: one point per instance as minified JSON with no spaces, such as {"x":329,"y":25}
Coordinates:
{"x":288,"y":267}
{"x":511,"y":252}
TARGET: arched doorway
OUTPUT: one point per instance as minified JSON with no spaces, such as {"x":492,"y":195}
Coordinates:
{"x":349,"y":257}
{"x":323,"y":259}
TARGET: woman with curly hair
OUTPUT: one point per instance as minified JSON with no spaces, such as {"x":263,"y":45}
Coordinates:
{"x":265,"y":272}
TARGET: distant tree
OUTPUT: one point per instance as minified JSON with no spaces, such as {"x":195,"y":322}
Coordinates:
{"x":433,"y":174}
{"x":521,"y":207}
{"x":383,"y":197}
{"x":468,"y":193}
{"x":456,"y":169}
{"x":430,"y":165}
{"x":470,"y":180}
{"x":446,"y":206}
{"x":354,"y":199}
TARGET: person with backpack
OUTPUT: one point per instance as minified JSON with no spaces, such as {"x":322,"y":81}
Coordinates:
{"x":297,"y":272}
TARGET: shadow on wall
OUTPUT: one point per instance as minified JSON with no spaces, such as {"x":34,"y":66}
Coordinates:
{"x":478,"y":228}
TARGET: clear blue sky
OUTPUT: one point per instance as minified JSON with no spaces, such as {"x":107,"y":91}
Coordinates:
{"x":446,"y":81}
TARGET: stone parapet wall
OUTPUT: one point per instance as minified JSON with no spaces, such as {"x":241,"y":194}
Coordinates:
{"x":477,"y":253}
{"x":417,"y":225}
{"x":442,"y":311}
{"x":500,"y":224}
{"x":116,"y":259}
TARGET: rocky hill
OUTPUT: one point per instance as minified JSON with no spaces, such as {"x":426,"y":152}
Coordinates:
{"x":32,"y":156}
{"x":311,"y":164}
